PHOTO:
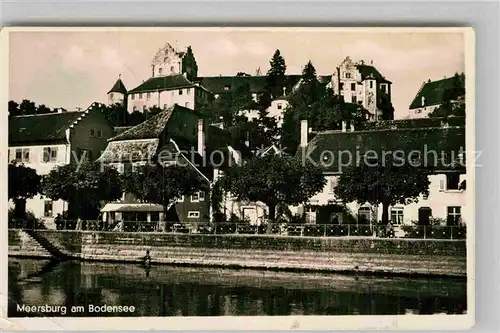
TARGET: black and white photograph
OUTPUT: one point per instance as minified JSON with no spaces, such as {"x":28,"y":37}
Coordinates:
{"x":258,"y":173}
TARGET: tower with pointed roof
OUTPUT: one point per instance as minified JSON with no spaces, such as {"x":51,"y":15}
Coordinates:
{"x":118,"y":93}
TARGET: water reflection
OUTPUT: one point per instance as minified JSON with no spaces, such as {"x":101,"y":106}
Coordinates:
{"x":175,"y":291}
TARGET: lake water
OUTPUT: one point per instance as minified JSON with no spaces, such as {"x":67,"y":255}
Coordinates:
{"x":181,"y":291}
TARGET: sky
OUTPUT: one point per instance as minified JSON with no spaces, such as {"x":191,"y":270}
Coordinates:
{"x":76,"y":68}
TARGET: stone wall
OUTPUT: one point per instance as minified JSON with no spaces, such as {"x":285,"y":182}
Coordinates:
{"x":362,"y":255}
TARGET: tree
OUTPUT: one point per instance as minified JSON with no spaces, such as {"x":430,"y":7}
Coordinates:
{"x":116,"y":115}
{"x":276,"y":75}
{"x":135,"y":118}
{"x":384,"y":182}
{"x":163,"y":184}
{"x":42,"y":109}
{"x":27,"y":107}
{"x":273,"y":180}
{"x":23,"y":184}
{"x":14,"y":109}
{"x":84,"y":186}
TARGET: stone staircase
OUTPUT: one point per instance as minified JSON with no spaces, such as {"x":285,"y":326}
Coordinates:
{"x":47,"y":245}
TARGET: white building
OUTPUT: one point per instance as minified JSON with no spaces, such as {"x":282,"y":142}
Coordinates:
{"x":45,"y":141}
{"x":363,"y":84}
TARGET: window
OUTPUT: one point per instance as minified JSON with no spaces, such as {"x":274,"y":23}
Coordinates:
{"x":371,"y":84}
{"x":140,"y":95}
{"x":47,"y":211}
{"x":181,"y":199}
{"x":111,"y":95}
{"x":99,"y":133}
{"x":50,"y":154}
{"x":424,"y":215}
{"x":23,"y":155}
{"x":187,"y":104}
{"x":452,"y":181}
{"x":202,"y":196}
{"x":397,"y":215}
{"x":382,"y":87}
{"x":144,"y":108}
{"x":188,"y":91}
{"x":227,"y":87}
{"x":193,"y":214}
{"x":180,"y":91}
{"x":341,"y":85}
{"x":310,"y":214}
{"x":195,"y":197}
{"x":454,"y":215}
{"x":353,"y":86}
{"x":134,"y":108}
{"x":160,"y":70}
{"x":148,"y":95}
{"x":132,"y":96}
{"x":348,"y":75}
{"x":172,"y":69}
{"x":364,"y":215}
{"x":354,"y":98}
{"x":280,"y":106}
{"x":164,"y":106}
{"x":92,"y":132}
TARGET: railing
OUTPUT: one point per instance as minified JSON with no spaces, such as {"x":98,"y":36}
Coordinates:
{"x":228,"y":228}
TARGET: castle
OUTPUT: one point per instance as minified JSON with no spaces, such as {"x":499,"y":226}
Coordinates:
{"x":174,"y":80}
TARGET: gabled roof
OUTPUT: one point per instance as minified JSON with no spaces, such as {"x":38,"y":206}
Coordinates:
{"x":44,"y":128}
{"x":432,"y":92}
{"x":370,"y":71}
{"x":149,"y":129}
{"x":447,"y":142}
{"x":129,"y":151}
{"x":167,"y":82}
{"x":119,"y":87}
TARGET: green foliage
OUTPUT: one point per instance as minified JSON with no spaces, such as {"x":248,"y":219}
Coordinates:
{"x":273,"y":180}
{"x":23,"y":183}
{"x":83,"y":186}
{"x":163,"y":185}
{"x":317,"y":104}
{"x":383,"y":182}
{"x":27,"y":107}
{"x":276,"y":75}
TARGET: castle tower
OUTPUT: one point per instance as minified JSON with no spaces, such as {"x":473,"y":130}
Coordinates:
{"x":118,"y":94}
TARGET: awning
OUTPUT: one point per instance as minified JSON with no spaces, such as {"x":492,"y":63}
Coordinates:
{"x":129,"y":207}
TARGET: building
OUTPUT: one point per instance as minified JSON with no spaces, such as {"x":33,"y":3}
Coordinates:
{"x":363,"y":84}
{"x":446,"y":200}
{"x":176,"y":135}
{"x":432,"y":94}
{"x":118,"y":93}
{"x":45,"y":141}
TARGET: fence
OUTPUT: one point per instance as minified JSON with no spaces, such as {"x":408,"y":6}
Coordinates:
{"x":227,"y":228}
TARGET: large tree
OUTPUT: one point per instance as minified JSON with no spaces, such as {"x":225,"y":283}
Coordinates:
{"x":116,"y":115}
{"x":84,"y":186}
{"x":387,"y":182}
{"x":276,"y":75}
{"x":273,"y":180}
{"x":154,"y":183}
{"x":23,"y":184}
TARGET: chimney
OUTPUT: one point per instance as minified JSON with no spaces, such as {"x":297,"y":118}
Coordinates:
{"x":303,"y":133}
{"x":344,"y":126}
{"x":352,"y":126}
{"x":371,"y":62}
{"x":201,"y":138}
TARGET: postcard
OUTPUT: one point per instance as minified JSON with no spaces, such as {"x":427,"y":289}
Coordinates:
{"x":238,"y":178}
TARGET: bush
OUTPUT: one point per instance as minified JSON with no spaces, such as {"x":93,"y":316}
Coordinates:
{"x":30,"y":222}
